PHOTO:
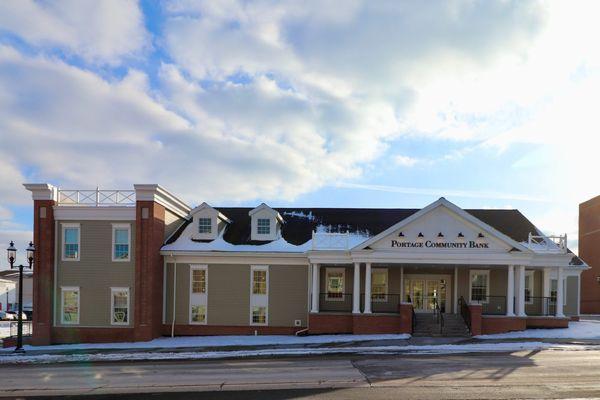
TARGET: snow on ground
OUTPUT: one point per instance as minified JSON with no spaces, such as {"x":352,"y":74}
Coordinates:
{"x":219,"y":341}
{"x":587,"y":329}
{"x":430,"y":349}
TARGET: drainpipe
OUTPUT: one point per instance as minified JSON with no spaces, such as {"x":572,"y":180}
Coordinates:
{"x":174,"y":295}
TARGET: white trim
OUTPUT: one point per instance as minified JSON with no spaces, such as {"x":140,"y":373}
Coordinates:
{"x":259,"y":300}
{"x":335,"y":270}
{"x":442,"y":202}
{"x":198,"y":299}
{"x":64,"y":289}
{"x":158,"y":194}
{"x":116,"y":226}
{"x":531,"y":275}
{"x":63,"y":243}
{"x":485,"y":272}
{"x":203,"y":206}
{"x":112,"y":305}
{"x":42,"y":191}
{"x":78,"y":213}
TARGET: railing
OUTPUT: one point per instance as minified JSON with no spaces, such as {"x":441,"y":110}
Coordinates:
{"x":335,"y":302}
{"x":383,"y":303}
{"x":493,"y":305}
{"x":548,"y":243}
{"x":14,"y":327}
{"x":540,"y":306}
{"x":96,"y":198}
{"x":343,"y":302}
{"x":464,"y":311}
{"x":414,"y":316}
{"x":330,"y":241}
{"x":439,"y":315}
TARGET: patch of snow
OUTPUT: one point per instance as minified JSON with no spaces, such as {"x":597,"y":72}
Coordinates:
{"x":219,"y":341}
{"x":429,"y":349}
{"x":300,"y":214}
{"x":576,"y":330}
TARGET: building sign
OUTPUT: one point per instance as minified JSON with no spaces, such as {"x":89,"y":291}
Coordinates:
{"x":471,"y":244}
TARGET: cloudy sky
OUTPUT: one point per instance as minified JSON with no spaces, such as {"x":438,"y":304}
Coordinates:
{"x":324,"y":103}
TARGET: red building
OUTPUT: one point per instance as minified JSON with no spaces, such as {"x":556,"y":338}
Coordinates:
{"x":589,"y":251}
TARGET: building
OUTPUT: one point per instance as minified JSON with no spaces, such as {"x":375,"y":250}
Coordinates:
{"x":589,"y":250}
{"x":138,"y":264}
{"x":7,"y":294}
{"x":11,"y":277}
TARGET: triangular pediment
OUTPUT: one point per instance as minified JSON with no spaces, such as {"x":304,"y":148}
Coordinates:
{"x":442,"y":226}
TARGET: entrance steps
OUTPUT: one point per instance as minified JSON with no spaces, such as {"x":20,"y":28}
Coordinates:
{"x":427,"y":325}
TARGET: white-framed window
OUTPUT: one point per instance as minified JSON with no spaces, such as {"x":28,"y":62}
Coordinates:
{"x":69,"y":305}
{"x":263,"y":226}
{"x":335,"y":279}
{"x":121,"y":242}
{"x":479,"y":286}
{"x":554,"y":289}
{"x":259,"y":295}
{"x":379,"y":284}
{"x":71,"y":235}
{"x":198,"y":294}
{"x":119,"y":306}
{"x":529,"y":285}
{"x":205,"y":225}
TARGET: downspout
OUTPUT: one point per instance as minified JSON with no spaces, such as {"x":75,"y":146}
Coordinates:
{"x":174,"y":295}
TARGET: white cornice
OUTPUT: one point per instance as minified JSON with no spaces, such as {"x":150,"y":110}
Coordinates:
{"x":155,"y":192}
{"x":75,"y":213}
{"x":42,"y":191}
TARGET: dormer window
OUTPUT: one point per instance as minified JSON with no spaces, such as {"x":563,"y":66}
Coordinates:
{"x":205,"y":225}
{"x":263,"y":226}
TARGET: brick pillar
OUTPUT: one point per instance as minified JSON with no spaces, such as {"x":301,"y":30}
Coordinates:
{"x":43,"y":267}
{"x":149,"y":234}
{"x":405,"y":310}
{"x":475,"y":313}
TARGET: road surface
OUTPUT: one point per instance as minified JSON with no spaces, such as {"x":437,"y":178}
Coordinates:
{"x":536,"y":374}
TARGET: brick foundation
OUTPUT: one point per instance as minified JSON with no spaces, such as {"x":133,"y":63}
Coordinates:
{"x":212,"y":330}
{"x":493,"y":324}
{"x":92,"y":335}
{"x":547,"y":322}
{"x":362,"y":323}
{"x":330,"y":323}
{"x":12,"y":341}
{"x":476,"y":319}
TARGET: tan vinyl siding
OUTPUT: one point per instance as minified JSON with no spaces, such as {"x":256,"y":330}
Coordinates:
{"x":228,"y":295}
{"x":95,"y":273}
{"x":183,"y":294}
{"x":572,"y":295}
{"x":288,"y":300}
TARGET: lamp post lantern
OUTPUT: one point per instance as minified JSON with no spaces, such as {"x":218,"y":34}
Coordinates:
{"x":11,"y":253}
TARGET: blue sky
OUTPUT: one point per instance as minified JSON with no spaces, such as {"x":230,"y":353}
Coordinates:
{"x":325,"y":103}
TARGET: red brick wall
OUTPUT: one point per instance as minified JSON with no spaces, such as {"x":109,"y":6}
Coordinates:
{"x":206,"y":330}
{"x":589,"y":251}
{"x":491,"y":325}
{"x":43,"y":278}
{"x":92,"y":335}
{"x":547,"y":322}
{"x":148,"y":270}
{"x":372,"y":323}
{"x":330,"y":323}
{"x":476,"y":319}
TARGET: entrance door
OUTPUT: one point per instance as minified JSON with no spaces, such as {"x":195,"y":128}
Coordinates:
{"x":424,"y":293}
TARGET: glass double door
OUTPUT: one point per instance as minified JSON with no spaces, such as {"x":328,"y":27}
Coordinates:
{"x":424,"y":293}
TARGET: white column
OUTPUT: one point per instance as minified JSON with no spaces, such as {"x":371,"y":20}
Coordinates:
{"x":356,"y":290}
{"x":368,"y":289}
{"x":559,"y":292}
{"x":455,"y":290}
{"x":315,"y":288}
{"x":402,"y":299}
{"x":545,"y":291}
{"x":520,"y":291}
{"x":510,"y":291}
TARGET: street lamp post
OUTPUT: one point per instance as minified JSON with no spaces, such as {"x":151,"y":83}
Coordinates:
{"x":12,"y":256}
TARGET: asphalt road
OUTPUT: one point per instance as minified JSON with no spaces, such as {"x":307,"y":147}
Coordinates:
{"x":538,"y":374}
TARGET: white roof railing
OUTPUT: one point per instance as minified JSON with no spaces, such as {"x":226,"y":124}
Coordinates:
{"x":330,"y":241}
{"x":96,"y":198}
{"x":553,"y":243}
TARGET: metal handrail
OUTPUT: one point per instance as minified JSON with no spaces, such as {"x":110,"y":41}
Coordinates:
{"x":464,"y":311}
{"x":440,"y":317}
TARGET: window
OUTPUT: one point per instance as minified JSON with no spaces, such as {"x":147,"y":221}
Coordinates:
{"x":259,"y":295}
{"x":198,"y":294}
{"x":259,"y":281}
{"x":71,"y":234}
{"x":70,"y":305}
{"x":379,"y":284}
{"x":259,"y":315}
{"x":479,"y":286}
{"x":263,"y":226}
{"x":198,"y":280}
{"x":335,"y":283}
{"x":529,"y":287}
{"x":554,"y":289}
{"x":119,"y":306}
{"x":204,"y":225}
{"x":121,"y":242}
{"x":199,"y":314}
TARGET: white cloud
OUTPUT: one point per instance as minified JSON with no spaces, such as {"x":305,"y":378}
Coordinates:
{"x":406,"y":161}
{"x":99,"y":31}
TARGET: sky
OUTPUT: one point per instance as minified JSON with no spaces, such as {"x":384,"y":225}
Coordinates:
{"x":491,"y":104}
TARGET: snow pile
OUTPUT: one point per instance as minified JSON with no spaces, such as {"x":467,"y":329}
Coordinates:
{"x":220,"y":341}
{"x":429,"y":349}
{"x":576,"y":330}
